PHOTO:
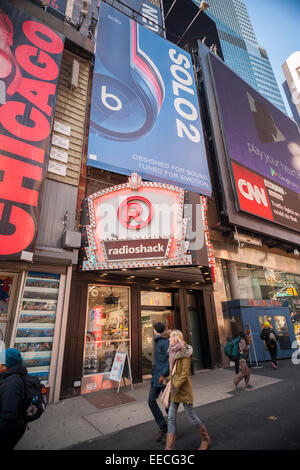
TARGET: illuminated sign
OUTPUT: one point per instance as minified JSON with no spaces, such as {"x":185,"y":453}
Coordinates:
{"x":136,"y":225}
{"x":144,"y":224}
{"x":30,"y":57}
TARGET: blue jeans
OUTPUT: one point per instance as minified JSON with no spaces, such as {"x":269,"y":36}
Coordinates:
{"x":158,"y":416}
{"x":190,"y":413}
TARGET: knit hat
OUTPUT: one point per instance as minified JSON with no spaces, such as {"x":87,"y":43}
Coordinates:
{"x":267,"y":324}
{"x":159,"y":327}
{"x":12,"y":357}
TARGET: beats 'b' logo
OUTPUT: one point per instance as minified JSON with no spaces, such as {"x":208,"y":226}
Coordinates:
{"x":135,"y":212}
{"x":252,"y":193}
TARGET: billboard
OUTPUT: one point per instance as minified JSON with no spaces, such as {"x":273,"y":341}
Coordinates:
{"x":144,"y":112}
{"x":262,"y":147}
{"x":141,"y":224}
{"x":146,"y":12}
{"x":58,"y":5}
{"x":30,"y":57}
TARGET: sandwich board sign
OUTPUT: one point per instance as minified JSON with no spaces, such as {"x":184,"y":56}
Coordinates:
{"x":117,"y":369}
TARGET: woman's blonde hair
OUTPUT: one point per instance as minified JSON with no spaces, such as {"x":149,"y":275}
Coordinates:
{"x":177,"y":335}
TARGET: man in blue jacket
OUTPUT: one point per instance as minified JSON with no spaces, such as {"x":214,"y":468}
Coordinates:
{"x":159,"y":373}
{"x":12,"y":396}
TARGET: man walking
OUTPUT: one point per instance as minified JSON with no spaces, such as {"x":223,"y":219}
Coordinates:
{"x":159,"y":373}
{"x":12,"y":396}
{"x":270,"y":337}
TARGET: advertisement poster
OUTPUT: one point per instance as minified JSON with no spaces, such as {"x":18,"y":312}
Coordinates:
{"x":263,"y":150}
{"x":30,"y":57}
{"x":58,"y":5}
{"x":145,"y":113}
{"x":146,"y":12}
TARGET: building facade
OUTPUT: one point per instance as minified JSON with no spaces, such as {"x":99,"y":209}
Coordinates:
{"x":291,"y":86}
{"x":241,"y":50}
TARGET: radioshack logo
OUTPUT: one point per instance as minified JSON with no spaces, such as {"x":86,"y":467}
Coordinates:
{"x":135,"y":212}
{"x":252,"y":193}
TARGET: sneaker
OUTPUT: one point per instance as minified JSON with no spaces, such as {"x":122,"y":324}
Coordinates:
{"x":249,"y":388}
{"x":274,"y":365}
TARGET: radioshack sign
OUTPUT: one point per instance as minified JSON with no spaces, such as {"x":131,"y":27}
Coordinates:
{"x":30,"y":57}
{"x":140,"y":224}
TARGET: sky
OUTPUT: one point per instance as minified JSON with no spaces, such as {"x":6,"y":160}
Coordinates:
{"x":276,"y":24}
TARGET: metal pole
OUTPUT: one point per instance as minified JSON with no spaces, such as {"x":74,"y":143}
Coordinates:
{"x":258,"y":366}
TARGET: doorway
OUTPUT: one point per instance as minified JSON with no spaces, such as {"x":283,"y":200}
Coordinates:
{"x":197,"y":330}
{"x":155,"y":307}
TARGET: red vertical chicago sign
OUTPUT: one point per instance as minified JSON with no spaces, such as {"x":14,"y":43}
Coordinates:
{"x":30,"y":58}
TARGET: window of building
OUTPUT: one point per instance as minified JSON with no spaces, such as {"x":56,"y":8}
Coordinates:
{"x":107,"y":327}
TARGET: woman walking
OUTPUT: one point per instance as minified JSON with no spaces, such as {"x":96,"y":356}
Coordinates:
{"x":181,"y":390}
{"x":244,"y":372}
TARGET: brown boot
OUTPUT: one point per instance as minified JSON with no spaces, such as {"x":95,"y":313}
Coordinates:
{"x":170,"y":442}
{"x":205,"y":439}
{"x":160,"y":435}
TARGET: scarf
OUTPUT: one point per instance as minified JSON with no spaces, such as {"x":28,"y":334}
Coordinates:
{"x":173,"y":350}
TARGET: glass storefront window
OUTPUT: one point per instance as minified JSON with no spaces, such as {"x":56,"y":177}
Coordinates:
{"x":156,"y":299}
{"x":6,"y":282}
{"x":263,"y":318}
{"x":149,"y":318}
{"x":280,"y":323}
{"x":36,"y":325}
{"x":107,"y":327}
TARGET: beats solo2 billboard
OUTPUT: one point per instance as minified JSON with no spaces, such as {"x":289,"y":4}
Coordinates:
{"x":262,"y":147}
{"x":144,"y":113}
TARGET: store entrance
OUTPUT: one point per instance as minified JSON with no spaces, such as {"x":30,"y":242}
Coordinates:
{"x":155,"y":307}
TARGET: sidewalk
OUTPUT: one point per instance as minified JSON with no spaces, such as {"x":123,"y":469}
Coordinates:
{"x":76,"y":420}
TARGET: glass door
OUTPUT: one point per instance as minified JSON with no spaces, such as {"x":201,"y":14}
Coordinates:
{"x":155,"y":307}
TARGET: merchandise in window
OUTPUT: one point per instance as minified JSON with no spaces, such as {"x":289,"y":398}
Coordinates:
{"x":107,"y":327}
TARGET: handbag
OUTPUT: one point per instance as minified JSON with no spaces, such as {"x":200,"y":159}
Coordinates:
{"x":165,"y":397}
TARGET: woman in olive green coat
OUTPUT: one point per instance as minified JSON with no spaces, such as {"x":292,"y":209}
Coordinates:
{"x":180,"y":355}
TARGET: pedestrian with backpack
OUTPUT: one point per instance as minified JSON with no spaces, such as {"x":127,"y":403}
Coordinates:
{"x":244,"y":372}
{"x":270,"y":338}
{"x":12,"y":396}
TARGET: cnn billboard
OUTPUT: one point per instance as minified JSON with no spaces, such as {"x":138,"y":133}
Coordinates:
{"x":262,"y":147}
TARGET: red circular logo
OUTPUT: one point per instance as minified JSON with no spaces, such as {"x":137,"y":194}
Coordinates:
{"x":133,"y":209}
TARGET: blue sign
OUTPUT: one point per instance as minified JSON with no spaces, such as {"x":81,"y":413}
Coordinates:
{"x":145,"y":113}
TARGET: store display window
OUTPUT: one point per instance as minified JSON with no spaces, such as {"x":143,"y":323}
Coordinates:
{"x":6,"y":282}
{"x":36,"y":324}
{"x":107,"y":327}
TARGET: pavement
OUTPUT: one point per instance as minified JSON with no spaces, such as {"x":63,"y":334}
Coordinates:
{"x":76,"y":422}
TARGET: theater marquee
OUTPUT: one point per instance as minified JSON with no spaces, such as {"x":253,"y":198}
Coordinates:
{"x":136,"y":225}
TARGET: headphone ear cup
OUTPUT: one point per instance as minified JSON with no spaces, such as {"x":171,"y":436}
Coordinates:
{"x":121,"y":111}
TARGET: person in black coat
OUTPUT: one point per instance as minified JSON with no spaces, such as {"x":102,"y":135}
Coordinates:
{"x":159,"y":373}
{"x":12,"y":396}
{"x":269,"y":336}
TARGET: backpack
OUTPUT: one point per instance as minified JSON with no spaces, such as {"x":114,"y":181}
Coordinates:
{"x":272,"y":337}
{"x":35,"y":400}
{"x":231,"y":349}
